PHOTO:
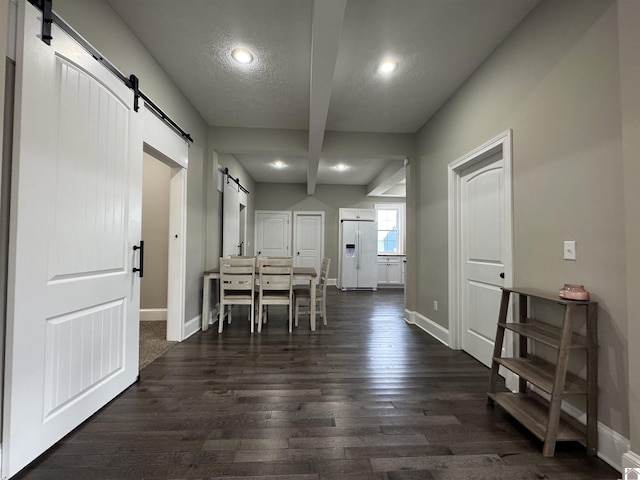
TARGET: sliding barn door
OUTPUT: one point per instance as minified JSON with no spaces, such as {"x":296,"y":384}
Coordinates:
{"x":73,"y":301}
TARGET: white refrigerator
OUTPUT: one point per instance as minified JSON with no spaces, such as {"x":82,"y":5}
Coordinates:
{"x":358,"y":254}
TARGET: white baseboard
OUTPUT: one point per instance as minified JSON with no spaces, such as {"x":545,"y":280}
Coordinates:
{"x":613,"y":448}
{"x":192,"y":326}
{"x":432,"y":328}
{"x":332,"y":281}
{"x":153,"y":314}
{"x":611,"y":445}
{"x":630,"y":460}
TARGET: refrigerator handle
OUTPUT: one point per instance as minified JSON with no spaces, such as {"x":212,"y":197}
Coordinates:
{"x":359,"y":242}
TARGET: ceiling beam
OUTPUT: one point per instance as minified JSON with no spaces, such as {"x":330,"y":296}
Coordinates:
{"x":326,"y":28}
{"x":388,"y":178}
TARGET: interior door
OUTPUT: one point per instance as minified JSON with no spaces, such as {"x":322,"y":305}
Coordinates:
{"x":273,"y":234}
{"x":483,"y":247}
{"x":73,"y":301}
{"x":230,"y":220}
{"x":308,"y":240}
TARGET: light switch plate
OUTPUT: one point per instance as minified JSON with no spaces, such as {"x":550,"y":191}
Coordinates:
{"x":569,"y":250}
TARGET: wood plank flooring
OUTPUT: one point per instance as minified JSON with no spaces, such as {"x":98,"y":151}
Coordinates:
{"x":366,"y":397}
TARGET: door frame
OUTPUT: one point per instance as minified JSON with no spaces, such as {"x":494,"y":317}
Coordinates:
{"x":501,"y":143}
{"x":162,"y":143}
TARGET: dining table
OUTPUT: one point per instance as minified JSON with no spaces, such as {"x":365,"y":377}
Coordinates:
{"x":299,"y":274}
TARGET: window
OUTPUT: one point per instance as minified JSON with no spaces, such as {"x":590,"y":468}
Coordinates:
{"x":390,"y":218}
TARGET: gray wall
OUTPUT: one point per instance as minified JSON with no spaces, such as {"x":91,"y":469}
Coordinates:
{"x":99,"y":24}
{"x":328,"y":199}
{"x":628,"y":22}
{"x":555,"y":82}
{"x":155,"y":232}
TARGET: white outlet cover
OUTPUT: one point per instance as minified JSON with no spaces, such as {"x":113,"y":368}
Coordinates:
{"x":569,"y":250}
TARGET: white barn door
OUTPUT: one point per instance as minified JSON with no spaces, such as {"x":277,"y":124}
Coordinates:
{"x":73,"y":301}
{"x":230,"y":219}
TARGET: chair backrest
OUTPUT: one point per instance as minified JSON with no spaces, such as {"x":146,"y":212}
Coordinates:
{"x":276,"y":273}
{"x":324,"y":273}
{"x":237,"y":273}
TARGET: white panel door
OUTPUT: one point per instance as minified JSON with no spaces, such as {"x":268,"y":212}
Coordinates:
{"x":483,"y":224}
{"x":273,"y":234}
{"x":230,"y":220}
{"x":308,"y":240}
{"x":73,"y":301}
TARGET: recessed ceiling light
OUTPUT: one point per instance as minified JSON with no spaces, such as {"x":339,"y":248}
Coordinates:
{"x":341,"y":167}
{"x":242,"y":55}
{"x":279,"y":164}
{"x":387,"y":66}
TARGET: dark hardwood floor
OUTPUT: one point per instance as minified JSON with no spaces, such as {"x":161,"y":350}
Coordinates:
{"x":366,"y":397}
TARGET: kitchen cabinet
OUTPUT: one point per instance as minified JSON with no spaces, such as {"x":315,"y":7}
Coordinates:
{"x":390,"y":270}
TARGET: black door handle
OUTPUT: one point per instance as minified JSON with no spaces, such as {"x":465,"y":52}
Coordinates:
{"x":502,"y":275}
{"x":141,"y":248}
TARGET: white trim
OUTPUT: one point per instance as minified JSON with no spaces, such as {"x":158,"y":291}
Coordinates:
{"x":432,"y":328}
{"x":161,"y":142}
{"x":400,"y":207}
{"x":500,"y":143}
{"x":611,"y":445}
{"x":153,"y":314}
{"x":630,"y":460}
{"x":177,"y":263}
{"x":164,"y":141}
{"x":332,"y":281}
{"x":191,"y":327}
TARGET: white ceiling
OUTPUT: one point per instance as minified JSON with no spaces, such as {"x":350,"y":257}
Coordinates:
{"x":315,"y":66}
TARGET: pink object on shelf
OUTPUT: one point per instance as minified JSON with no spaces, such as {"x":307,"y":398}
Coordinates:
{"x":574,"y":292}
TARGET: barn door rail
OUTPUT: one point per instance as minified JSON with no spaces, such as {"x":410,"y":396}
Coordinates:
{"x":49,"y":17}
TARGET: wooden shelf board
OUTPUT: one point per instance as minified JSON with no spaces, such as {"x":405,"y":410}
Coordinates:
{"x":533,"y":415}
{"x":547,"y":334}
{"x":546,"y":295}
{"x":542,"y":374}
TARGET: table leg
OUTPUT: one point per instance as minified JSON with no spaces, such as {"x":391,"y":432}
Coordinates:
{"x":206,"y":293}
{"x":312,"y":300}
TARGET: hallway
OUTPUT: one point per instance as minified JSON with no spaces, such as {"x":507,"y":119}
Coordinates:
{"x":365,"y":397}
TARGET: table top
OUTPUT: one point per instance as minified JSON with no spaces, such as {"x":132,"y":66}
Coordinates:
{"x":297,"y":271}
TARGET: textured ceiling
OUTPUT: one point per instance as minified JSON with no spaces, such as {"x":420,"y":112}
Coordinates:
{"x":315,"y":65}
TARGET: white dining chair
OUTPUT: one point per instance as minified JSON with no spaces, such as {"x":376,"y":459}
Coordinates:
{"x":302,"y":294}
{"x":237,"y":279}
{"x":275,"y":286}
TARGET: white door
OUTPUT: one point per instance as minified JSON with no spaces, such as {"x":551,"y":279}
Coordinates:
{"x":273,"y":234}
{"x":367,"y":255}
{"x":73,"y":301}
{"x":230,"y":220}
{"x":483,"y":254}
{"x":308,"y":239}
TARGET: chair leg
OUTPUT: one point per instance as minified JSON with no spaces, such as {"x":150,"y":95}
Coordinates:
{"x":324,"y":311}
{"x":251,"y":316}
{"x":297,"y":309}
{"x":290,"y":317}
{"x":259,"y":320}
{"x":220,"y":317}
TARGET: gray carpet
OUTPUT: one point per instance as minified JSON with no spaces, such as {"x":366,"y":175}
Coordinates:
{"x":152,"y":341}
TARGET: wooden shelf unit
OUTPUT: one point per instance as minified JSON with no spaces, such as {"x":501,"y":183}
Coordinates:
{"x":544,"y":418}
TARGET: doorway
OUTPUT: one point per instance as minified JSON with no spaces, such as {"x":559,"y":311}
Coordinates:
{"x":481,"y":238}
